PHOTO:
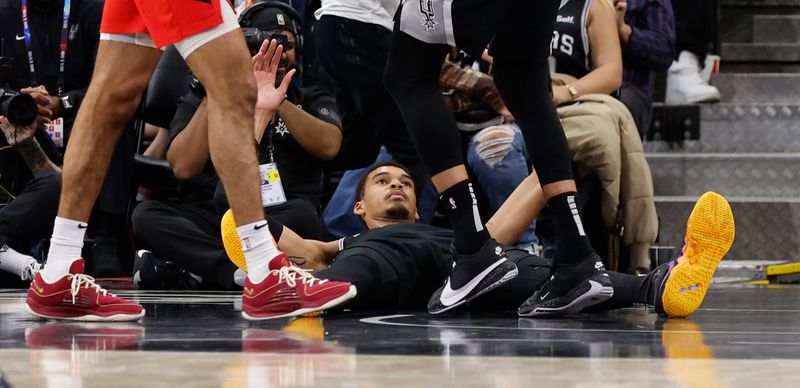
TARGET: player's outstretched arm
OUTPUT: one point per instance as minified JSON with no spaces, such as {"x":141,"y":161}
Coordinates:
{"x":310,"y":254}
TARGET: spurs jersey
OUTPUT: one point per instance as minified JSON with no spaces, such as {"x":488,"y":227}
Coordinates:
{"x":570,"y":46}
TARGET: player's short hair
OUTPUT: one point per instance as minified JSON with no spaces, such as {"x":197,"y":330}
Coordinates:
{"x":363,"y":181}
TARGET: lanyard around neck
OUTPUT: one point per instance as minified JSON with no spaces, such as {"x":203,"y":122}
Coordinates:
{"x":62,"y":47}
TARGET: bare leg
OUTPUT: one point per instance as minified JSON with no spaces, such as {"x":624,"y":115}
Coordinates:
{"x":121,"y":73}
{"x":225,"y":68}
{"x":120,"y":76}
{"x":517,"y":212}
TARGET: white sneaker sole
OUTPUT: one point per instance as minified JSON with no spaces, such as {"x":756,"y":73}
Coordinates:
{"x":91,"y":317}
{"x":596,"y":294}
{"x":508,"y":276}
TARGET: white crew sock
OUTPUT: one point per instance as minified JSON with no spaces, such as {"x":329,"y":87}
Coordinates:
{"x":13,"y":261}
{"x":259,"y":249}
{"x":65,"y":248}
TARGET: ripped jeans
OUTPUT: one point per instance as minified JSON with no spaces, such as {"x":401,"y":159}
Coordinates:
{"x":499,"y":160}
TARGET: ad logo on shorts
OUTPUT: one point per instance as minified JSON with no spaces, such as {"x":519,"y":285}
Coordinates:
{"x":426,"y":9}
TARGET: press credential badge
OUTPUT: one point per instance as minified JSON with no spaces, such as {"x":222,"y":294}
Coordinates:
{"x":271,"y":188}
{"x":55,"y":129}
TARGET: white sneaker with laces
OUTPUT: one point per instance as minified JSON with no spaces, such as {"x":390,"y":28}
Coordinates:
{"x":685,"y":85}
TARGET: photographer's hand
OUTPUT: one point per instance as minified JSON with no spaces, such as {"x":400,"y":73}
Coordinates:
{"x":16,"y":135}
{"x":49,"y":106}
{"x":265,"y":70}
{"x":25,"y":142}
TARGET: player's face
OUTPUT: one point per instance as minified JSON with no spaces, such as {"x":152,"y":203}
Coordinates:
{"x":389,"y":194}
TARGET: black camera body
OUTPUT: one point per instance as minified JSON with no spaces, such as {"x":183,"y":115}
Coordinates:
{"x":255,"y":37}
{"x":20,"y":109}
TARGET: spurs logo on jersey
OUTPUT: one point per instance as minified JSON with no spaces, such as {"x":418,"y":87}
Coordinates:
{"x":281,"y":128}
{"x":426,"y":9}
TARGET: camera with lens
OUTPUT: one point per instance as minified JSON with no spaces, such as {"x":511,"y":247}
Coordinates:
{"x":20,"y":109}
{"x":254,"y":37}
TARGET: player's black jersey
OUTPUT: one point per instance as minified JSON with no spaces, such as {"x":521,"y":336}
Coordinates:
{"x":407,"y":245}
{"x":570,"y":46}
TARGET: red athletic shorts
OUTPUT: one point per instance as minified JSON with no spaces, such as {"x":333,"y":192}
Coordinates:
{"x":166,"y":21}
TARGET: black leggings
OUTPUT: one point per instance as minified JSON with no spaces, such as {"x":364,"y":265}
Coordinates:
{"x":521,"y":76}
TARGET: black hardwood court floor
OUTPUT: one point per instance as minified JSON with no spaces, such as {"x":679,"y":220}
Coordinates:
{"x":741,"y":336}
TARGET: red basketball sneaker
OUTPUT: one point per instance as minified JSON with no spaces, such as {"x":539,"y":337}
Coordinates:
{"x":291,"y":291}
{"x":76,"y":297}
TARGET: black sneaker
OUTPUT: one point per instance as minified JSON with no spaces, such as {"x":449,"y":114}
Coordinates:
{"x":570,"y":290}
{"x":473,"y":275}
{"x":104,"y":262}
{"x":151,"y":272}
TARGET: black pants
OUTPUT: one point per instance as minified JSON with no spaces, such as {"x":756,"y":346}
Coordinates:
{"x":695,"y":26}
{"x":640,"y":103}
{"x":187,"y":234}
{"x":118,"y":184}
{"x":29,"y":218}
{"x":354,"y":55}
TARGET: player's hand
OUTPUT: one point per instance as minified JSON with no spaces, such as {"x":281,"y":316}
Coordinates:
{"x":265,"y":70}
{"x":49,"y":107}
{"x":15,"y":134}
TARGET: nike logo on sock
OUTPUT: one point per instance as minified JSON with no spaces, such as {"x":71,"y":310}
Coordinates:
{"x":259,"y":227}
{"x":82,"y":226}
{"x":20,"y":37}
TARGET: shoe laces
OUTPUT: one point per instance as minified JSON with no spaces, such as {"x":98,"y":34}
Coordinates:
{"x":291,"y":274}
{"x":30,"y":270}
{"x":87,"y":282}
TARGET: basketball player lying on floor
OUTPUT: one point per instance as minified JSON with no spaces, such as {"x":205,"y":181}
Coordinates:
{"x":399,"y":264}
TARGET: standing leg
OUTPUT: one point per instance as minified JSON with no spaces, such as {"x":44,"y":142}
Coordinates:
{"x":231,"y":109}
{"x":412,"y":77}
{"x":120,"y":75}
{"x":520,"y":50}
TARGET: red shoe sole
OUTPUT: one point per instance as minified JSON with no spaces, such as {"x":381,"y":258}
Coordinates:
{"x":350,"y":294}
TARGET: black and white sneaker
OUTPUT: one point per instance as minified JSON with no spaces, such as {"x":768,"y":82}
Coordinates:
{"x":151,"y":272}
{"x":473,"y":275}
{"x":570,"y":290}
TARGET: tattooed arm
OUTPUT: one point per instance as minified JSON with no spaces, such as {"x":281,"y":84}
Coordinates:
{"x":25,"y":142}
